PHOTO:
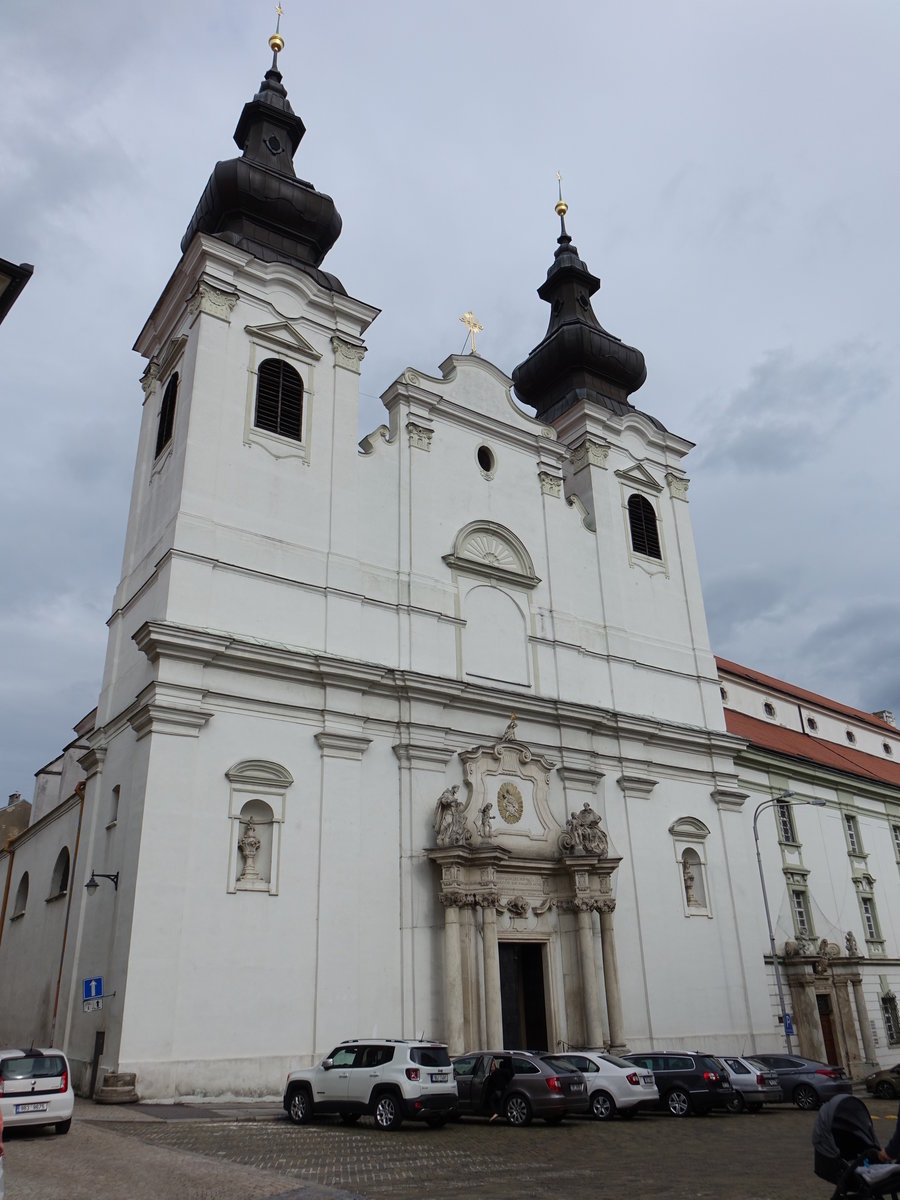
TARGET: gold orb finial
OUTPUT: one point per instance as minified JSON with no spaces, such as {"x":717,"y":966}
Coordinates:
{"x":561,"y":208}
{"x":276,"y":41}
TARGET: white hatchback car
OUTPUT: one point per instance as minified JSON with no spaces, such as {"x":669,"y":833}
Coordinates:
{"x":614,"y":1085}
{"x":36,"y":1089}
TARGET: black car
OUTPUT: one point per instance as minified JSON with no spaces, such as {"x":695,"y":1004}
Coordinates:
{"x":533,"y":1087}
{"x":688,"y":1081}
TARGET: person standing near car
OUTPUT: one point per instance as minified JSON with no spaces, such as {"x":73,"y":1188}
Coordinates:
{"x":498,"y":1080}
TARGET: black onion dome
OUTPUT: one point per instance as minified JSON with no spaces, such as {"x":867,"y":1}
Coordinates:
{"x":578,"y":359}
{"x":257,"y":203}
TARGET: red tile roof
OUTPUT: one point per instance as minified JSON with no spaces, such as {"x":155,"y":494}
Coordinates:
{"x":808,"y":748}
{"x":771,"y":684}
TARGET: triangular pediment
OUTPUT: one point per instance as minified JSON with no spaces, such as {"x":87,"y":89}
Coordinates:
{"x":638,"y":476}
{"x":281,"y":335}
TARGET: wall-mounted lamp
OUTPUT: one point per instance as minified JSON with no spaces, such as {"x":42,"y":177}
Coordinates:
{"x":92,"y":883}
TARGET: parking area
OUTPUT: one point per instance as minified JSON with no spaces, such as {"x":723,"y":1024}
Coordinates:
{"x":244,"y":1154}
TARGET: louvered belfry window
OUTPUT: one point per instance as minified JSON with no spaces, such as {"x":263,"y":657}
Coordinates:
{"x":167,"y":415}
{"x":644,"y":534}
{"x":279,"y":399}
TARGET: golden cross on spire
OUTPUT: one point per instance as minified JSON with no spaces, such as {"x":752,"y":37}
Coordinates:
{"x":473,"y":325}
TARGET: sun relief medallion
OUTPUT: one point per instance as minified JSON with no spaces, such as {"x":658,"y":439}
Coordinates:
{"x":509,"y":803}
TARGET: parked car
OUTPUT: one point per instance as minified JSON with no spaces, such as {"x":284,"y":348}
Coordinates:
{"x":885,"y":1083}
{"x":385,"y":1078}
{"x":535,"y":1090}
{"x":804,"y":1081}
{"x":614,"y":1085}
{"x":753,"y":1084}
{"x":36,"y":1089}
{"x":688,"y":1081}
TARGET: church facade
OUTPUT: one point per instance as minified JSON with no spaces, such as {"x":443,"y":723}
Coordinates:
{"x":418,"y":735}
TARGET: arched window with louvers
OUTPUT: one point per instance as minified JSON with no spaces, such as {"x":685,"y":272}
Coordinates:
{"x":279,"y":399}
{"x":167,"y":416}
{"x":642,"y":520}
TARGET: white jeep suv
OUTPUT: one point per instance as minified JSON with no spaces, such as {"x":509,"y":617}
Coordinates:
{"x":387,"y":1078}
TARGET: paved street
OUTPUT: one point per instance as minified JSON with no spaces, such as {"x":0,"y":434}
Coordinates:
{"x":244,"y":1152}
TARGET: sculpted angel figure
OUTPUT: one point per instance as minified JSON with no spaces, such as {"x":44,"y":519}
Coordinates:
{"x":583,"y":833}
{"x":485,"y":817}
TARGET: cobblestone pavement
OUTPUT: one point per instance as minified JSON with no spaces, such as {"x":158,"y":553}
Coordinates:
{"x":254,"y":1153}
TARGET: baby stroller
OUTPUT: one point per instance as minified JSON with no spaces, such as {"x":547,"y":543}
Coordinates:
{"x":845,"y":1151}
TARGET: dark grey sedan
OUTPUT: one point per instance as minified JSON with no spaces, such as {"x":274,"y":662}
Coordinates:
{"x":533,"y":1090}
{"x":804,"y":1081}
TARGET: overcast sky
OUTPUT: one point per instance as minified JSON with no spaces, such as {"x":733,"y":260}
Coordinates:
{"x":732,"y":176}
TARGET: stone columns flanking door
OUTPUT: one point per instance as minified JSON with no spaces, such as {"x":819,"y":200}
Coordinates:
{"x":453,"y":990}
{"x":862,"y":1015}
{"x":592,"y":1012}
{"x":493,"y":1008}
{"x":611,"y":977}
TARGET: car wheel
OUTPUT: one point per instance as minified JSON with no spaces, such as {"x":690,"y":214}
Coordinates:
{"x":678,"y":1102}
{"x":349,"y":1118}
{"x":603,"y":1106}
{"x":737,"y":1103}
{"x":63,"y":1126}
{"x":885,"y":1089}
{"x":300,"y":1106}
{"x":805,"y":1097}
{"x":387,"y":1112}
{"x":436,"y":1121}
{"x":517,"y":1110}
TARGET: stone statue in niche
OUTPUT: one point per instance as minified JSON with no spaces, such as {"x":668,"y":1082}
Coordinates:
{"x":449,"y":819}
{"x":249,"y":845}
{"x":850,"y":943}
{"x":689,"y":880}
{"x":583,"y":834}
{"x":483,"y":824}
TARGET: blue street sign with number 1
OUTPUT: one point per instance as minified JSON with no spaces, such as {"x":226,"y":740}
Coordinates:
{"x":92,"y":988}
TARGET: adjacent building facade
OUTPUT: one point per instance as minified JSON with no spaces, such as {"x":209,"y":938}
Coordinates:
{"x":422,"y":734}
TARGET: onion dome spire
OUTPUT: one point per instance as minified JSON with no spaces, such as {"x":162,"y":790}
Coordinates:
{"x":256,"y":202}
{"x":578,"y":359}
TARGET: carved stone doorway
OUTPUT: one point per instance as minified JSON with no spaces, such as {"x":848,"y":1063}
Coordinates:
{"x":826,"y":1020}
{"x":522,"y":996}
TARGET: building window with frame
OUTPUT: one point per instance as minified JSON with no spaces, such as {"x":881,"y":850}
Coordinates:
{"x":166,"y":416}
{"x":786,"y":831}
{"x":59,"y":880}
{"x":895,"y":834}
{"x":802,"y":922}
{"x":21,"y":901}
{"x":870,"y":919}
{"x":642,"y":521}
{"x":851,"y":825}
{"x":279,"y":399}
{"x":891,"y":1017}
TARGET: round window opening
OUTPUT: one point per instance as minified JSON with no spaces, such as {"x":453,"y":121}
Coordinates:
{"x":485,"y":459}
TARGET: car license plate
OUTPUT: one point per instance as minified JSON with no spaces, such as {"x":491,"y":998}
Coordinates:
{"x":647,"y":1081}
{"x":20,"y":1108}
{"x":439,"y":1077}
{"x":577,"y":1087}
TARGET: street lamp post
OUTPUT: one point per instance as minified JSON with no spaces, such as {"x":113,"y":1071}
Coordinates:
{"x":771,"y":803}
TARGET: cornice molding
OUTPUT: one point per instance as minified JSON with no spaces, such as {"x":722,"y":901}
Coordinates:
{"x":335,"y":744}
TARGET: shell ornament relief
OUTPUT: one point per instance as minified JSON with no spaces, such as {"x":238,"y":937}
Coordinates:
{"x":491,"y":550}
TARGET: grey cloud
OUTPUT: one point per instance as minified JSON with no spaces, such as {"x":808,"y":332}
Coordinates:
{"x":791,"y":408}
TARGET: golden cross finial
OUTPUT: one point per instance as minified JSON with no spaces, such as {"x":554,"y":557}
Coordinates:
{"x":473,"y":325}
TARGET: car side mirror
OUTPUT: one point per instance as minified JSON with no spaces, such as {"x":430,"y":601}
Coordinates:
{"x":327,"y":1064}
